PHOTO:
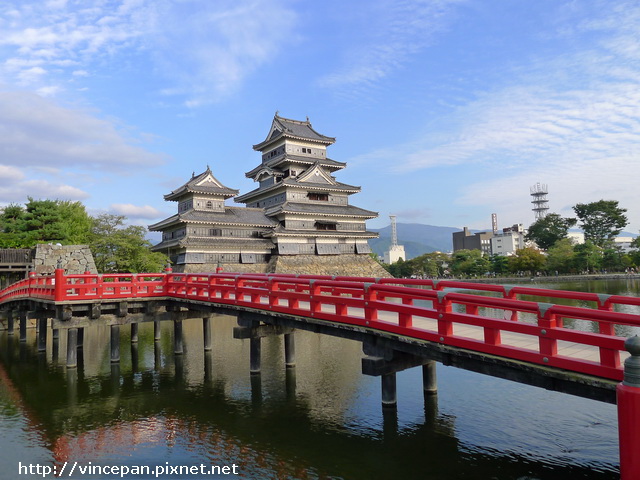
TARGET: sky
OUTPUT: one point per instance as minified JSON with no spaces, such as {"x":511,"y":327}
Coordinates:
{"x":445,"y":111}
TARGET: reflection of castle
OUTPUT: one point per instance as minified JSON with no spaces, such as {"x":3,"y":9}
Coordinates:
{"x":298,"y":210}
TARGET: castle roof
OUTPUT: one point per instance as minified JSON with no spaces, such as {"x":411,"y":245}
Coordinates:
{"x":204,"y":183}
{"x":316,"y":209}
{"x":331,"y":165}
{"x":235,"y":216}
{"x":294,"y":183}
{"x":294,"y":129}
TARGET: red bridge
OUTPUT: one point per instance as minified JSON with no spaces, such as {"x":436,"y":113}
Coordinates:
{"x":520,"y":333}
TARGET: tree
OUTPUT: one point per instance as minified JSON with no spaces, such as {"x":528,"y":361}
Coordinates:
{"x":601,"y":220}
{"x":588,"y":256}
{"x":560,"y":257}
{"x":118,"y":248}
{"x":469,"y":262}
{"x":527,"y":260}
{"x":499,"y":264}
{"x":550,"y":229}
{"x":43,"y":221}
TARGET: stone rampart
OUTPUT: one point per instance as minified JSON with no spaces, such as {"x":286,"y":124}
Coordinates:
{"x":348,"y":265}
{"x":73,"y":258}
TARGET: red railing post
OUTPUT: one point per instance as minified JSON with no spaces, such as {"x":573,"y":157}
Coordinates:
{"x":628,"y":399}
{"x":60,"y":286}
{"x":370,"y":296}
{"x":548,"y":321}
{"x":406,"y":319}
{"x":443,"y":306}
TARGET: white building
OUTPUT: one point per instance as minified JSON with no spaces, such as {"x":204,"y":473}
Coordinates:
{"x":508,"y":241}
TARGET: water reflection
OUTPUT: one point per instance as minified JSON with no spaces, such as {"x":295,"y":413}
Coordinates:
{"x":321,"y":419}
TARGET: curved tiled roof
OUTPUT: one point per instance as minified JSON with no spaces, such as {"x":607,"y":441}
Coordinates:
{"x":239,"y":216}
{"x":216,"y":188}
{"x":292,"y":182}
{"x":296,"y":129}
{"x":331,"y":165}
{"x":320,"y":209}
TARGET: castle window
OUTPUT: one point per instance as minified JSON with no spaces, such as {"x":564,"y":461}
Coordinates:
{"x":325,"y":226}
{"x":209,"y":204}
{"x":323,"y":197}
{"x":215,"y":232}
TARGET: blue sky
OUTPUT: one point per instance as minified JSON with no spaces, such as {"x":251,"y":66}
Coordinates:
{"x":446,"y":111}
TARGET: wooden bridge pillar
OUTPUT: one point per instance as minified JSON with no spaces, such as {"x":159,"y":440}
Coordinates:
{"x":80,"y":337}
{"x":289,"y":350}
{"x":429,"y":378}
{"x":157,"y":332}
{"x":628,"y":396}
{"x":10,"y":322}
{"x":206,"y":333}
{"x":23,"y":326}
{"x":255,"y":347}
{"x":42,"y":334}
{"x":115,"y":343}
{"x":134,"y":333}
{"x":72,"y":347}
{"x":389,"y":394}
{"x":178,"y":338}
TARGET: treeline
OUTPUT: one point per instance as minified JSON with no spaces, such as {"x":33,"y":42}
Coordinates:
{"x":551,"y":251}
{"x":116,"y":247}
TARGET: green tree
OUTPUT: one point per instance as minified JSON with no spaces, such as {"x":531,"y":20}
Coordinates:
{"x":43,"y":221}
{"x":588,"y":256}
{"x":469,"y":263}
{"x":527,"y":260}
{"x":601,"y":220}
{"x":118,"y":248}
{"x":499,"y":264}
{"x":560,"y":257}
{"x":548,"y":230}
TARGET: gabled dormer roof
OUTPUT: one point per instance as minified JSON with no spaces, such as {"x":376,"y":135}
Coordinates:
{"x":293,"y":129}
{"x":204,"y":183}
{"x":316,"y":174}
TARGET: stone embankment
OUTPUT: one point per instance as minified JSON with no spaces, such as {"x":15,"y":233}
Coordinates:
{"x":73,"y":258}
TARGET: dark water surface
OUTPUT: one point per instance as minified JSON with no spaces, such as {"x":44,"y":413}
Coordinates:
{"x":321,"y":420}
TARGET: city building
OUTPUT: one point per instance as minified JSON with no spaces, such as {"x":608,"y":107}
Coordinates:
{"x":509,"y":241}
{"x":395,"y":252}
{"x":466,"y":240}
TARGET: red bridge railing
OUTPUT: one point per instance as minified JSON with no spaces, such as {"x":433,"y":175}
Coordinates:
{"x":492,"y":319}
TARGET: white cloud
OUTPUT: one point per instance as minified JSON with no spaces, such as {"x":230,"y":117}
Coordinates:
{"x":395,"y":30}
{"x":130,"y":210}
{"x":35,"y":131}
{"x":204,"y":49}
{"x":15,"y":189}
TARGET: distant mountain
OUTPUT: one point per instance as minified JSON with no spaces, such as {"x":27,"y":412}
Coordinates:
{"x":416,"y":238}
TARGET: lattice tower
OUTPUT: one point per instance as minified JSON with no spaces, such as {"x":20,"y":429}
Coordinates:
{"x":394,"y":231}
{"x":539,"y":194}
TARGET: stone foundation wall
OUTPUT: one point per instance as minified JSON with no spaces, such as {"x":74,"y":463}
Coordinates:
{"x":74,"y":259}
{"x":349,"y":265}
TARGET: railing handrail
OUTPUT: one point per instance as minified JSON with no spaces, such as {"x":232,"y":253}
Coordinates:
{"x":373,"y":301}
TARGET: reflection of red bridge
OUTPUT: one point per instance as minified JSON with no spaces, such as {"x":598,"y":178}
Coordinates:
{"x":402,"y":323}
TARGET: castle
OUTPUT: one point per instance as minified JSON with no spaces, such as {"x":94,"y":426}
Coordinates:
{"x":298,"y":219}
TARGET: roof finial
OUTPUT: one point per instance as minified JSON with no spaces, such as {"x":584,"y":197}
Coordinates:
{"x":193,"y":174}
{"x":277,"y":112}
{"x":208,"y":169}
{"x":307,"y":118}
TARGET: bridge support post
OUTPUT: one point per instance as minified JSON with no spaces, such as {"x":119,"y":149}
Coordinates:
{"x":80,"y":337}
{"x":23,"y":327}
{"x":115,"y":343}
{"x":42,"y":335}
{"x":429,"y":378}
{"x":289,"y":350}
{"x":389,"y":395}
{"x":72,"y":347}
{"x":206,"y":333}
{"x":156,"y":330}
{"x":177,"y":337}
{"x":10,"y":320}
{"x":628,"y":399}
{"x":134,"y":333}
{"x":255,"y":347}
